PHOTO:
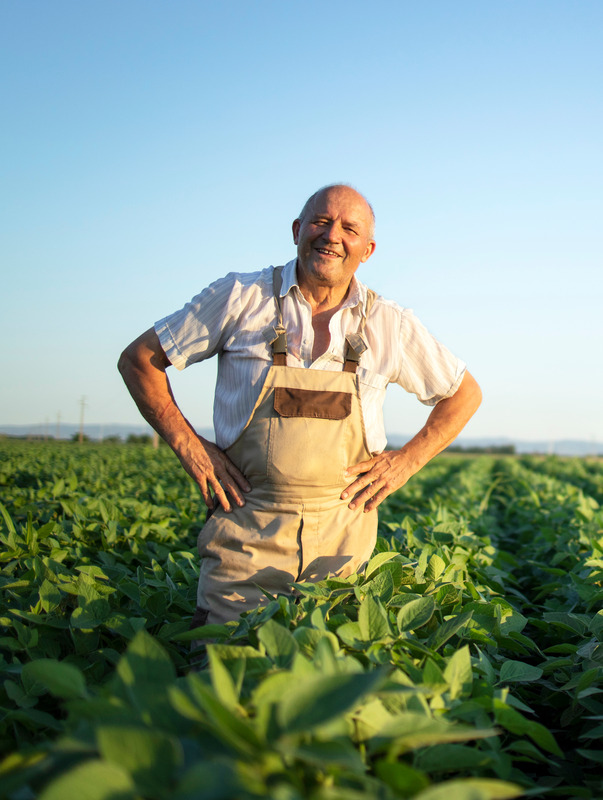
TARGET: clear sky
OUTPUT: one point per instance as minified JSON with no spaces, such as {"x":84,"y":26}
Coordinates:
{"x":149,"y":147}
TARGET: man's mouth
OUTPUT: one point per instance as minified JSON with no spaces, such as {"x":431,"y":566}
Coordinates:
{"x":330,"y":253}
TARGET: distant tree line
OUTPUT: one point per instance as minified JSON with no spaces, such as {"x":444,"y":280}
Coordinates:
{"x":493,"y":449}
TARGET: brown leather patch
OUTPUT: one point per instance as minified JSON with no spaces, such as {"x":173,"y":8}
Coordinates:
{"x":290,"y":402}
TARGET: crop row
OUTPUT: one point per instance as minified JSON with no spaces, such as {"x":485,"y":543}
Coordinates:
{"x":464,"y":663}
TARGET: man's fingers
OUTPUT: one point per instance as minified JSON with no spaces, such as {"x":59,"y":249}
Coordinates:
{"x":231,"y":488}
{"x":236,"y":474}
{"x":221,"y":497}
{"x":207,"y":497}
{"x":213,"y":471}
{"x":237,"y":479}
{"x":356,"y":486}
{"x":376,"y":499}
{"x":365,"y":492}
{"x":357,"y":469}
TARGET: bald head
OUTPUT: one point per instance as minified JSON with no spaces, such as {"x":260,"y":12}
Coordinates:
{"x":308,"y":205}
{"x":333,"y":235}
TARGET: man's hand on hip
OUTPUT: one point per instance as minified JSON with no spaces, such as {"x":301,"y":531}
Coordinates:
{"x":388,"y":471}
{"x":378,"y":478}
{"x":143,"y":367}
{"x":213,"y":471}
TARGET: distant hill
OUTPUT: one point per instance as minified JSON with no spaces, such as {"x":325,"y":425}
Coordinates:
{"x":93,"y":431}
{"x":563,"y":447}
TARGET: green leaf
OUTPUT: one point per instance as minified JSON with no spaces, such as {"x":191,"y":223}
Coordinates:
{"x":351,"y":635}
{"x":317,"y":700}
{"x":151,"y":757}
{"x":433,"y":675}
{"x":145,"y":661}
{"x":409,"y":730}
{"x":280,"y":643}
{"x":378,"y":561}
{"x":18,"y":696}
{"x":454,"y":757}
{"x":212,"y":631}
{"x":7,"y":520}
{"x":448,"y":629}
{"x":458,"y":673}
{"x":90,"y":615}
{"x":59,"y":677}
{"x":518,"y":672}
{"x":208,"y":780}
{"x":471,"y":789}
{"x":566,"y":621}
{"x":326,"y":754}
{"x":50,"y":596}
{"x":435,"y":568}
{"x":515,"y":722}
{"x":415,"y":614}
{"x":221,"y":680}
{"x":93,"y":780}
{"x":237,"y":733}
{"x":309,"y":638}
{"x":402,"y":778}
{"x":382,"y":586}
{"x":373,"y":621}
{"x":592,"y":755}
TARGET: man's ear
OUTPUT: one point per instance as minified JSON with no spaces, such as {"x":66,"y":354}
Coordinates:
{"x":370,"y":249}
{"x":295,"y":227}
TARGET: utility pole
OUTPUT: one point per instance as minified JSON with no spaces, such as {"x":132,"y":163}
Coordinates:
{"x":82,"y":407}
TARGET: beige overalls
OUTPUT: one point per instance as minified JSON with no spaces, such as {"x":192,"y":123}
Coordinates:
{"x":305,"y":429}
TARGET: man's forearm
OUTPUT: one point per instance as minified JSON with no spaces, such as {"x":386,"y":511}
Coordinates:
{"x":444,"y":424}
{"x":143,"y":367}
{"x":390,"y":470}
{"x":143,"y":372}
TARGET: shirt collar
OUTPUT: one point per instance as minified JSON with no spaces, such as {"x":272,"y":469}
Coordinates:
{"x":356,"y":295}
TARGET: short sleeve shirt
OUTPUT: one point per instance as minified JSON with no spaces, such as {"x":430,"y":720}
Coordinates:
{"x":231,"y":317}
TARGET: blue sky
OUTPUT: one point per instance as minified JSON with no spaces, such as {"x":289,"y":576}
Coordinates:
{"x":148,"y":148}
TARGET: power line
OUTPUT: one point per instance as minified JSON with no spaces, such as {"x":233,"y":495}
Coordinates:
{"x":82,"y":407}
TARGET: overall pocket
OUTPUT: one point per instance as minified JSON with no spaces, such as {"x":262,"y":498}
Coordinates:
{"x":307,"y":439}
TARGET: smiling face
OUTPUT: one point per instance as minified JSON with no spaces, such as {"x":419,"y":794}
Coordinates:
{"x":333,"y":237}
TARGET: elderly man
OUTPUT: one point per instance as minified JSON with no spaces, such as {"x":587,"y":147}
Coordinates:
{"x":306,"y":352}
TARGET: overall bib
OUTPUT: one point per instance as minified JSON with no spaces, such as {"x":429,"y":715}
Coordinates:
{"x":305,"y":430}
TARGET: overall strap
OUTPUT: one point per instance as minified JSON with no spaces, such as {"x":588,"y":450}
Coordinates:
{"x":279,"y":343}
{"x":277,"y":336}
{"x":355,"y":344}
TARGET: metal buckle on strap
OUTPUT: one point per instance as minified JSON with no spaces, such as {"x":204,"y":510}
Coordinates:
{"x":356,"y":346}
{"x":277,"y":337}
{"x":279,"y":345}
{"x":270,"y":334}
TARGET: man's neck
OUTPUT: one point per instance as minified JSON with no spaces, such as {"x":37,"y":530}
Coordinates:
{"x":322,"y":298}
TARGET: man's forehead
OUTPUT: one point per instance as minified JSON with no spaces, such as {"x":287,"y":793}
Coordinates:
{"x":342,"y":197}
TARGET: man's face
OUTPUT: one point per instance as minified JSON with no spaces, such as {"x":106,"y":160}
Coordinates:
{"x":333,"y":238}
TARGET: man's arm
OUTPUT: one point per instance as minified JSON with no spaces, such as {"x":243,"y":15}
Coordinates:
{"x":388,"y":471}
{"x":143,"y":367}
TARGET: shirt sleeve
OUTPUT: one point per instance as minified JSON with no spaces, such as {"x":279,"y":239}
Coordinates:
{"x":428,"y":369}
{"x":198,"y":330}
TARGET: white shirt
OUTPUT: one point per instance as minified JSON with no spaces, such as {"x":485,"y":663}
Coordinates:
{"x":230,"y":316}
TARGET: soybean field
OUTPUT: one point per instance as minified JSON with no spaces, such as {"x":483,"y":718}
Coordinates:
{"x":464,"y":663}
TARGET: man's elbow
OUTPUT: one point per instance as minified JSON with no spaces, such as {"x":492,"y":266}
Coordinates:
{"x":124,"y":362}
{"x":471,"y":393}
{"x":127,"y":362}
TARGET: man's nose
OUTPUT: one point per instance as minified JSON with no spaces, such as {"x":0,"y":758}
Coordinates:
{"x":332,"y":231}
